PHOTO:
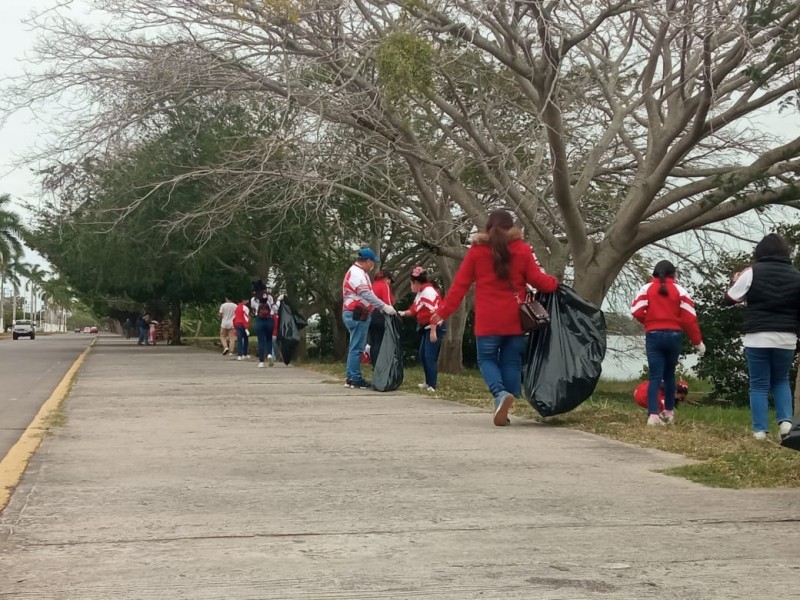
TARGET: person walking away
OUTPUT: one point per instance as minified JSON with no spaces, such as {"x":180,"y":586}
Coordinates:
{"x":377,"y":325}
{"x":263,"y":307}
{"x":143,"y":323}
{"x":771,"y":290}
{"x":227,"y":332}
{"x":666,"y":311}
{"x":241,"y":323}
{"x":126,"y":327}
{"x":425,"y":304}
{"x":501,"y":265}
{"x":358,"y":304}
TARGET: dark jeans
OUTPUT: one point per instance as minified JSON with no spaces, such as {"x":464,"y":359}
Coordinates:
{"x":242,"y":340}
{"x":143,"y":332}
{"x":429,"y":354}
{"x":264,"y":334}
{"x":663,"y":348}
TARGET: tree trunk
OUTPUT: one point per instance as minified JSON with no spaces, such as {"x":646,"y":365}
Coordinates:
{"x":451,"y":357}
{"x":176,"y":323}
{"x":340,"y":335}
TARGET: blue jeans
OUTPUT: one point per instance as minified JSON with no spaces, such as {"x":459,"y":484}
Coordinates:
{"x":242,"y":341}
{"x":143,"y":335}
{"x":429,"y":354}
{"x":663,"y":349}
{"x":769,"y":370}
{"x":264,"y":335}
{"x":358,"y":342}
{"x":500,"y":363}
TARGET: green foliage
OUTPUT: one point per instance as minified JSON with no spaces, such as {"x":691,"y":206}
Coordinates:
{"x":724,"y":364}
{"x":405,"y":65}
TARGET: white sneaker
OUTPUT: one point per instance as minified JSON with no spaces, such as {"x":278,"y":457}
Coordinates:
{"x":760,"y":435}
{"x":654,"y":420}
{"x":270,"y":360}
{"x":784,"y":428}
{"x":260,"y":365}
{"x":240,"y":358}
{"x":247,"y":357}
{"x":225,"y":351}
{"x":668,"y":416}
{"x":430,"y":389}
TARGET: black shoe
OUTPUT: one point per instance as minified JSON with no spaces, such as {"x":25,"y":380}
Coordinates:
{"x":362,"y":385}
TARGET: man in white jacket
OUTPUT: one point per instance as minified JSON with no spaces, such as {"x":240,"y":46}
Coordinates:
{"x":357,"y":305}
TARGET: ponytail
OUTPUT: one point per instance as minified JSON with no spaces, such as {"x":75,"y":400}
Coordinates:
{"x":664,"y":269}
{"x":498,"y":227}
{"x":663,"y":288}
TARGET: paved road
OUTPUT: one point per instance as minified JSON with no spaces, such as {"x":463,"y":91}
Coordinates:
{"x":29,"y":372}
{"x":182,"y":475}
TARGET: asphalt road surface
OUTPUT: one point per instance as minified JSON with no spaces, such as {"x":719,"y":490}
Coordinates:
{"x":29,"y":372}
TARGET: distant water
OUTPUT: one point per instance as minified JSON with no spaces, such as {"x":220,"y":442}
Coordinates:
{"x":625,"y":358}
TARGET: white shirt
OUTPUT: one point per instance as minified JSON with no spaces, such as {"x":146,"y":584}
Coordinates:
{"x":226,"y":312}
{"x":760,"y":339}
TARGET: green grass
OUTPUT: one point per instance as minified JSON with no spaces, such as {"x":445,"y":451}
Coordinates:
{"x":718,"y":438}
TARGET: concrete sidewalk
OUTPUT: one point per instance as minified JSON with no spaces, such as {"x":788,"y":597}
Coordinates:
{"x":180,"y":474}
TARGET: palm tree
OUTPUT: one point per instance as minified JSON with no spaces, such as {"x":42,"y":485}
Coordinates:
{"x":57,"y":295}
{"x":13,"y":271}
{"x":35,"y":277}
{"x":11,"y":230}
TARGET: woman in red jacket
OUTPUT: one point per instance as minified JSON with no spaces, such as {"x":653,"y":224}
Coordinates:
{"x":425,"y":303}
{"x":666,"y":311}
{"x":500,"y":265}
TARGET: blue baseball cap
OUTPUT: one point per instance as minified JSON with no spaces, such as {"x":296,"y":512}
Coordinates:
{"x":368,"y":254}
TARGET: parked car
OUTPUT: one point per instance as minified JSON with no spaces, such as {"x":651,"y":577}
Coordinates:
{"x":23,"y":328}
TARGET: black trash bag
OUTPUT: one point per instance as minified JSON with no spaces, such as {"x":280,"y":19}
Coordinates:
{"x":564,"y":359}
{"x":793,"y":439}
{"x":290,"y":322}
{"x":387,"y":374}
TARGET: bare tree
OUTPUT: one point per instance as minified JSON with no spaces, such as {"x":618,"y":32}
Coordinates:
{"x":606,"y":126}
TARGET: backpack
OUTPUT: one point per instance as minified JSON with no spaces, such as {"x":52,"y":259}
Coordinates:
{"x":264,"y":310}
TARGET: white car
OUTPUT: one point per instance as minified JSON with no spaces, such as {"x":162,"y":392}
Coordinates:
{"x":23,"y":328}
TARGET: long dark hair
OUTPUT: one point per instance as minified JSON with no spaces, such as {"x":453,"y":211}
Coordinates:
{"x":498,"y":227}
{"x":663,"y":269}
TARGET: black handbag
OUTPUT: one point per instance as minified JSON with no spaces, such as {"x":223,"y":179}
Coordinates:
{"x":532,"y":315}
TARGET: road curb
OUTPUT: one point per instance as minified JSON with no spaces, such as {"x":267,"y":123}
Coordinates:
{"x":13,"y":466}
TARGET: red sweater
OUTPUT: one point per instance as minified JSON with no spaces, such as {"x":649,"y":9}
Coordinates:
{"x":674,"y":312}
{"x":382,"y":290}
{"x":496,"y":307}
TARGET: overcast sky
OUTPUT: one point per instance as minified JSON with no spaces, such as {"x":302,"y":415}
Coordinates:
{"x":21,"y":132}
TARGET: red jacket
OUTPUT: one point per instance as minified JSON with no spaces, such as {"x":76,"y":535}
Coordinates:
{"x":240,"y":316}
{"x":381,"y":289}
{"x":675,"y":311}
{"x":496,"y":307}
{"x":425,"y":304}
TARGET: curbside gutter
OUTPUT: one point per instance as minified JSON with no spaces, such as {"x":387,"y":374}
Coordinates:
{"x":13,"y":466}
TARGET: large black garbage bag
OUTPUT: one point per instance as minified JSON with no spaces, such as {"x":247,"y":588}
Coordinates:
{"x":793,"y":439}
{"x":564,"y":359}
{"x":290,"y":322}
{"x":387,"y":374}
